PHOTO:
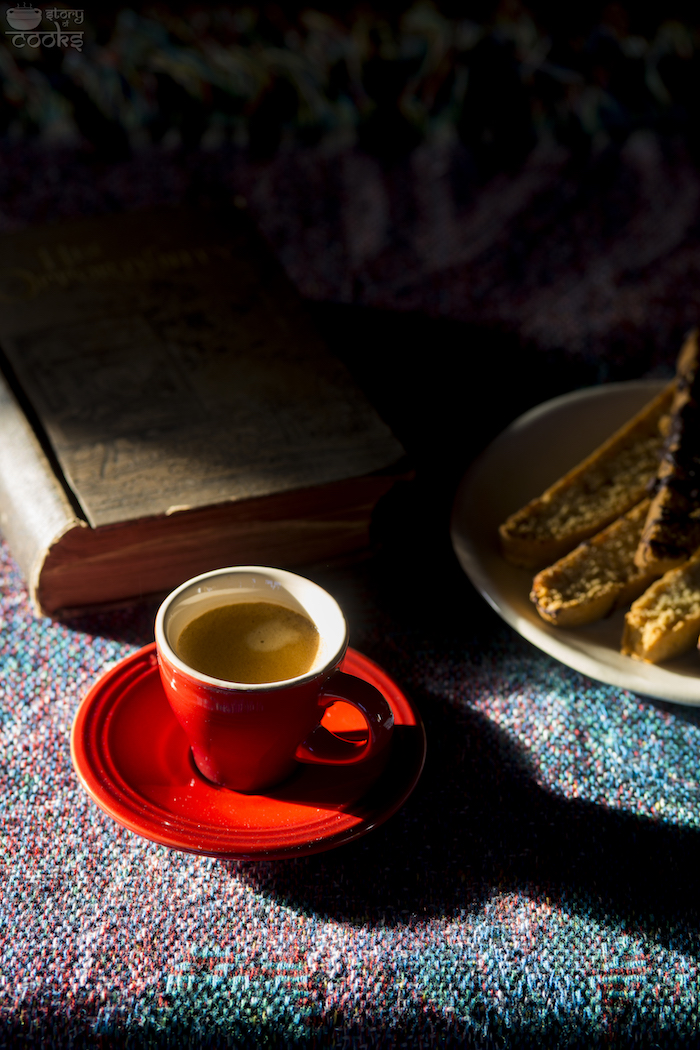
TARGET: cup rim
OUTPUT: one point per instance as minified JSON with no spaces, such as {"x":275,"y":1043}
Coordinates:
{"x":163,"y":645}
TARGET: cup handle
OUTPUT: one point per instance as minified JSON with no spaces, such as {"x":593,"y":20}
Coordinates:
{"x":324,"y":748}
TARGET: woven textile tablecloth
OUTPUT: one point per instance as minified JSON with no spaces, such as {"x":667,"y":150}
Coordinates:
{"x":539,"y":888}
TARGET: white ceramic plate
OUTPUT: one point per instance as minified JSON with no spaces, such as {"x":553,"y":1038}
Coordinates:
{"x":524,"y":460}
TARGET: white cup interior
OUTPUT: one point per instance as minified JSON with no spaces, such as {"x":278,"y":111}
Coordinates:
{"x":250,"y":583}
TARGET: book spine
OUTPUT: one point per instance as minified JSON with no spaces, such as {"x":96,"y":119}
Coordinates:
{"x":34,"y":509}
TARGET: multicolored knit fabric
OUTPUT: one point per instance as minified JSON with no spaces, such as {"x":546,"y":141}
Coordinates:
{"x":538,"y":889}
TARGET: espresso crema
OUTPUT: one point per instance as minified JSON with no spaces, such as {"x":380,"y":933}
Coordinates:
{"x":249,"y":642}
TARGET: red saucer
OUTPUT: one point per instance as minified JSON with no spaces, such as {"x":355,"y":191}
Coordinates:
{"x":133,"y":758}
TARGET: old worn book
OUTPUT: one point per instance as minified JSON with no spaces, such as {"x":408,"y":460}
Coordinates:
{"x":167,"y":407}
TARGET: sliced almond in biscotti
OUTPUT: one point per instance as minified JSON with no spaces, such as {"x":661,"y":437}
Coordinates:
{"x":672,"y":529}
{"x":665,"y":621}
{"x":595,"y":578}
{"x":603,"y":486}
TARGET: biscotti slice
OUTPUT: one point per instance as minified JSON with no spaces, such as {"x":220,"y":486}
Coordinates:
{"x":665,"y":621}
{"x":603,"y":486}
{"x":595,"y":578}
{"x":672,"y":529}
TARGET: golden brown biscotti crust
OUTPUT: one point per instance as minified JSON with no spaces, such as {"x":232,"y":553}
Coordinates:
{"x":665,"y":621}
{"x":672,"y":529}
{"x":595,"y":578}
{"x":605,"y":485}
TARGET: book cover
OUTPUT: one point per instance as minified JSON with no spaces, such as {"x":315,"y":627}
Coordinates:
{"x":166,"y":383}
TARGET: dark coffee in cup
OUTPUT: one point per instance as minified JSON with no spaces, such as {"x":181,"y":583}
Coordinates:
{"x":251,"y":735}
{"x":249,"y":642}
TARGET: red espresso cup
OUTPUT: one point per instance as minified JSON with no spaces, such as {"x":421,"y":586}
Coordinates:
{"x":250,"y":736}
